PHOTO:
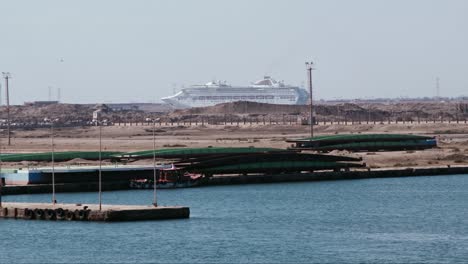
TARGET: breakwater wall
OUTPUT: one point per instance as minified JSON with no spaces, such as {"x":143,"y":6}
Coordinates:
{"x":252,"y":179}
{"x":91,"y":212}
{"x":65,"y":187}
{"x":342,"y":175}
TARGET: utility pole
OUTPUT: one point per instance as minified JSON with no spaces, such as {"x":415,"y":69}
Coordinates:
{"x":1,"y":179}
{"x":100,"y":165}
{"x":7,"y":76}
{"x":155,"y":202}
{"x":49,"y":97}
{"x":54,"y":200}
{"x":309,"y":67}
{"x":368,"y":113}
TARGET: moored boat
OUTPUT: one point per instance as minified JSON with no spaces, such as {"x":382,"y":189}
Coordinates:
{"x":168,"y":179}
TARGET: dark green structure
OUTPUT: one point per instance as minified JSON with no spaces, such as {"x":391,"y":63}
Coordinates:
{"x":58,"y":156}
{"x":195,"y":152}
{"x":262,"y":160}
{"x":212,"y":160}
{"x":244,"y":160}
{"x":365,"y":142}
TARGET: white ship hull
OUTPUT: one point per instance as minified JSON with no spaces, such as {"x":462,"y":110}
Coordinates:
{"x":164,"y":185}
{"x":212,"y":94}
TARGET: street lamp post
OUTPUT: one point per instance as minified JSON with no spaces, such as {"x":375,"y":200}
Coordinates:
{"x":309,"y":66}
{"x":7,"y":76}
{"x":54,"y":200}
{"x":100,"y":165}
{"x":1,"y":179}
{"x":155,"y":202}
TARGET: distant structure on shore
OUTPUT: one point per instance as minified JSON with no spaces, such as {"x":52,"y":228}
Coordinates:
{"x":41,"y":103}
{"x":266,"y":90}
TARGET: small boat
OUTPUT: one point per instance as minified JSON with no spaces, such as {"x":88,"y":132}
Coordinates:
{"x":168,"y":179}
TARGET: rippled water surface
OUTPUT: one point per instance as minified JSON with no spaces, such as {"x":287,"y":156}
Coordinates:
{"x":398,"y":220}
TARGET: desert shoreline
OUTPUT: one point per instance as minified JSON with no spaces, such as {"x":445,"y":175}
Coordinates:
{"x":452,"y":141}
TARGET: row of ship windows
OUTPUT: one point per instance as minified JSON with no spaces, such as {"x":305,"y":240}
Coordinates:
{"x":251,"y":97}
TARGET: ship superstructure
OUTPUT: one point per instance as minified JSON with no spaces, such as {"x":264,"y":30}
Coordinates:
{"x":266,"y":90}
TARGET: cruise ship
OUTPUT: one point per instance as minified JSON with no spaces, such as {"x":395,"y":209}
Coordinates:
{"x":266,"y":90}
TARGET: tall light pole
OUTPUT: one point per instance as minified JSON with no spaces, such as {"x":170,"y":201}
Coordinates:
{"x":1,"y":179}
{"x":155,"y":202}
{"x":49,"y":97}
{"x":7,"y":76}
{"x":100,"y":165}
{"x":54,"y":201}
{"x":309,"y":67}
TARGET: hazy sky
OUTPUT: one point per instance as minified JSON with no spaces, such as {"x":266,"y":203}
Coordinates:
{"x":140,"y":51}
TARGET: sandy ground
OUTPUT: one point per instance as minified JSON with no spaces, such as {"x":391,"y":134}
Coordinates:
{"x":453,"y":140}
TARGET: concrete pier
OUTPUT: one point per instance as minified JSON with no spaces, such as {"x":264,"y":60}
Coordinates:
{"x":334,"y":176}
{"x":90,"y":212}
{"x":251,"y":179}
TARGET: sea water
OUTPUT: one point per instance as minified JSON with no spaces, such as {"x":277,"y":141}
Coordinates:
{"x":394,"y":220}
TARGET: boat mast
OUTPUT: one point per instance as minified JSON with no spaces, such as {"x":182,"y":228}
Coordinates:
{"x":100,"y":164}
{"x":155,"y":202}
{"x":54,"y":200}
